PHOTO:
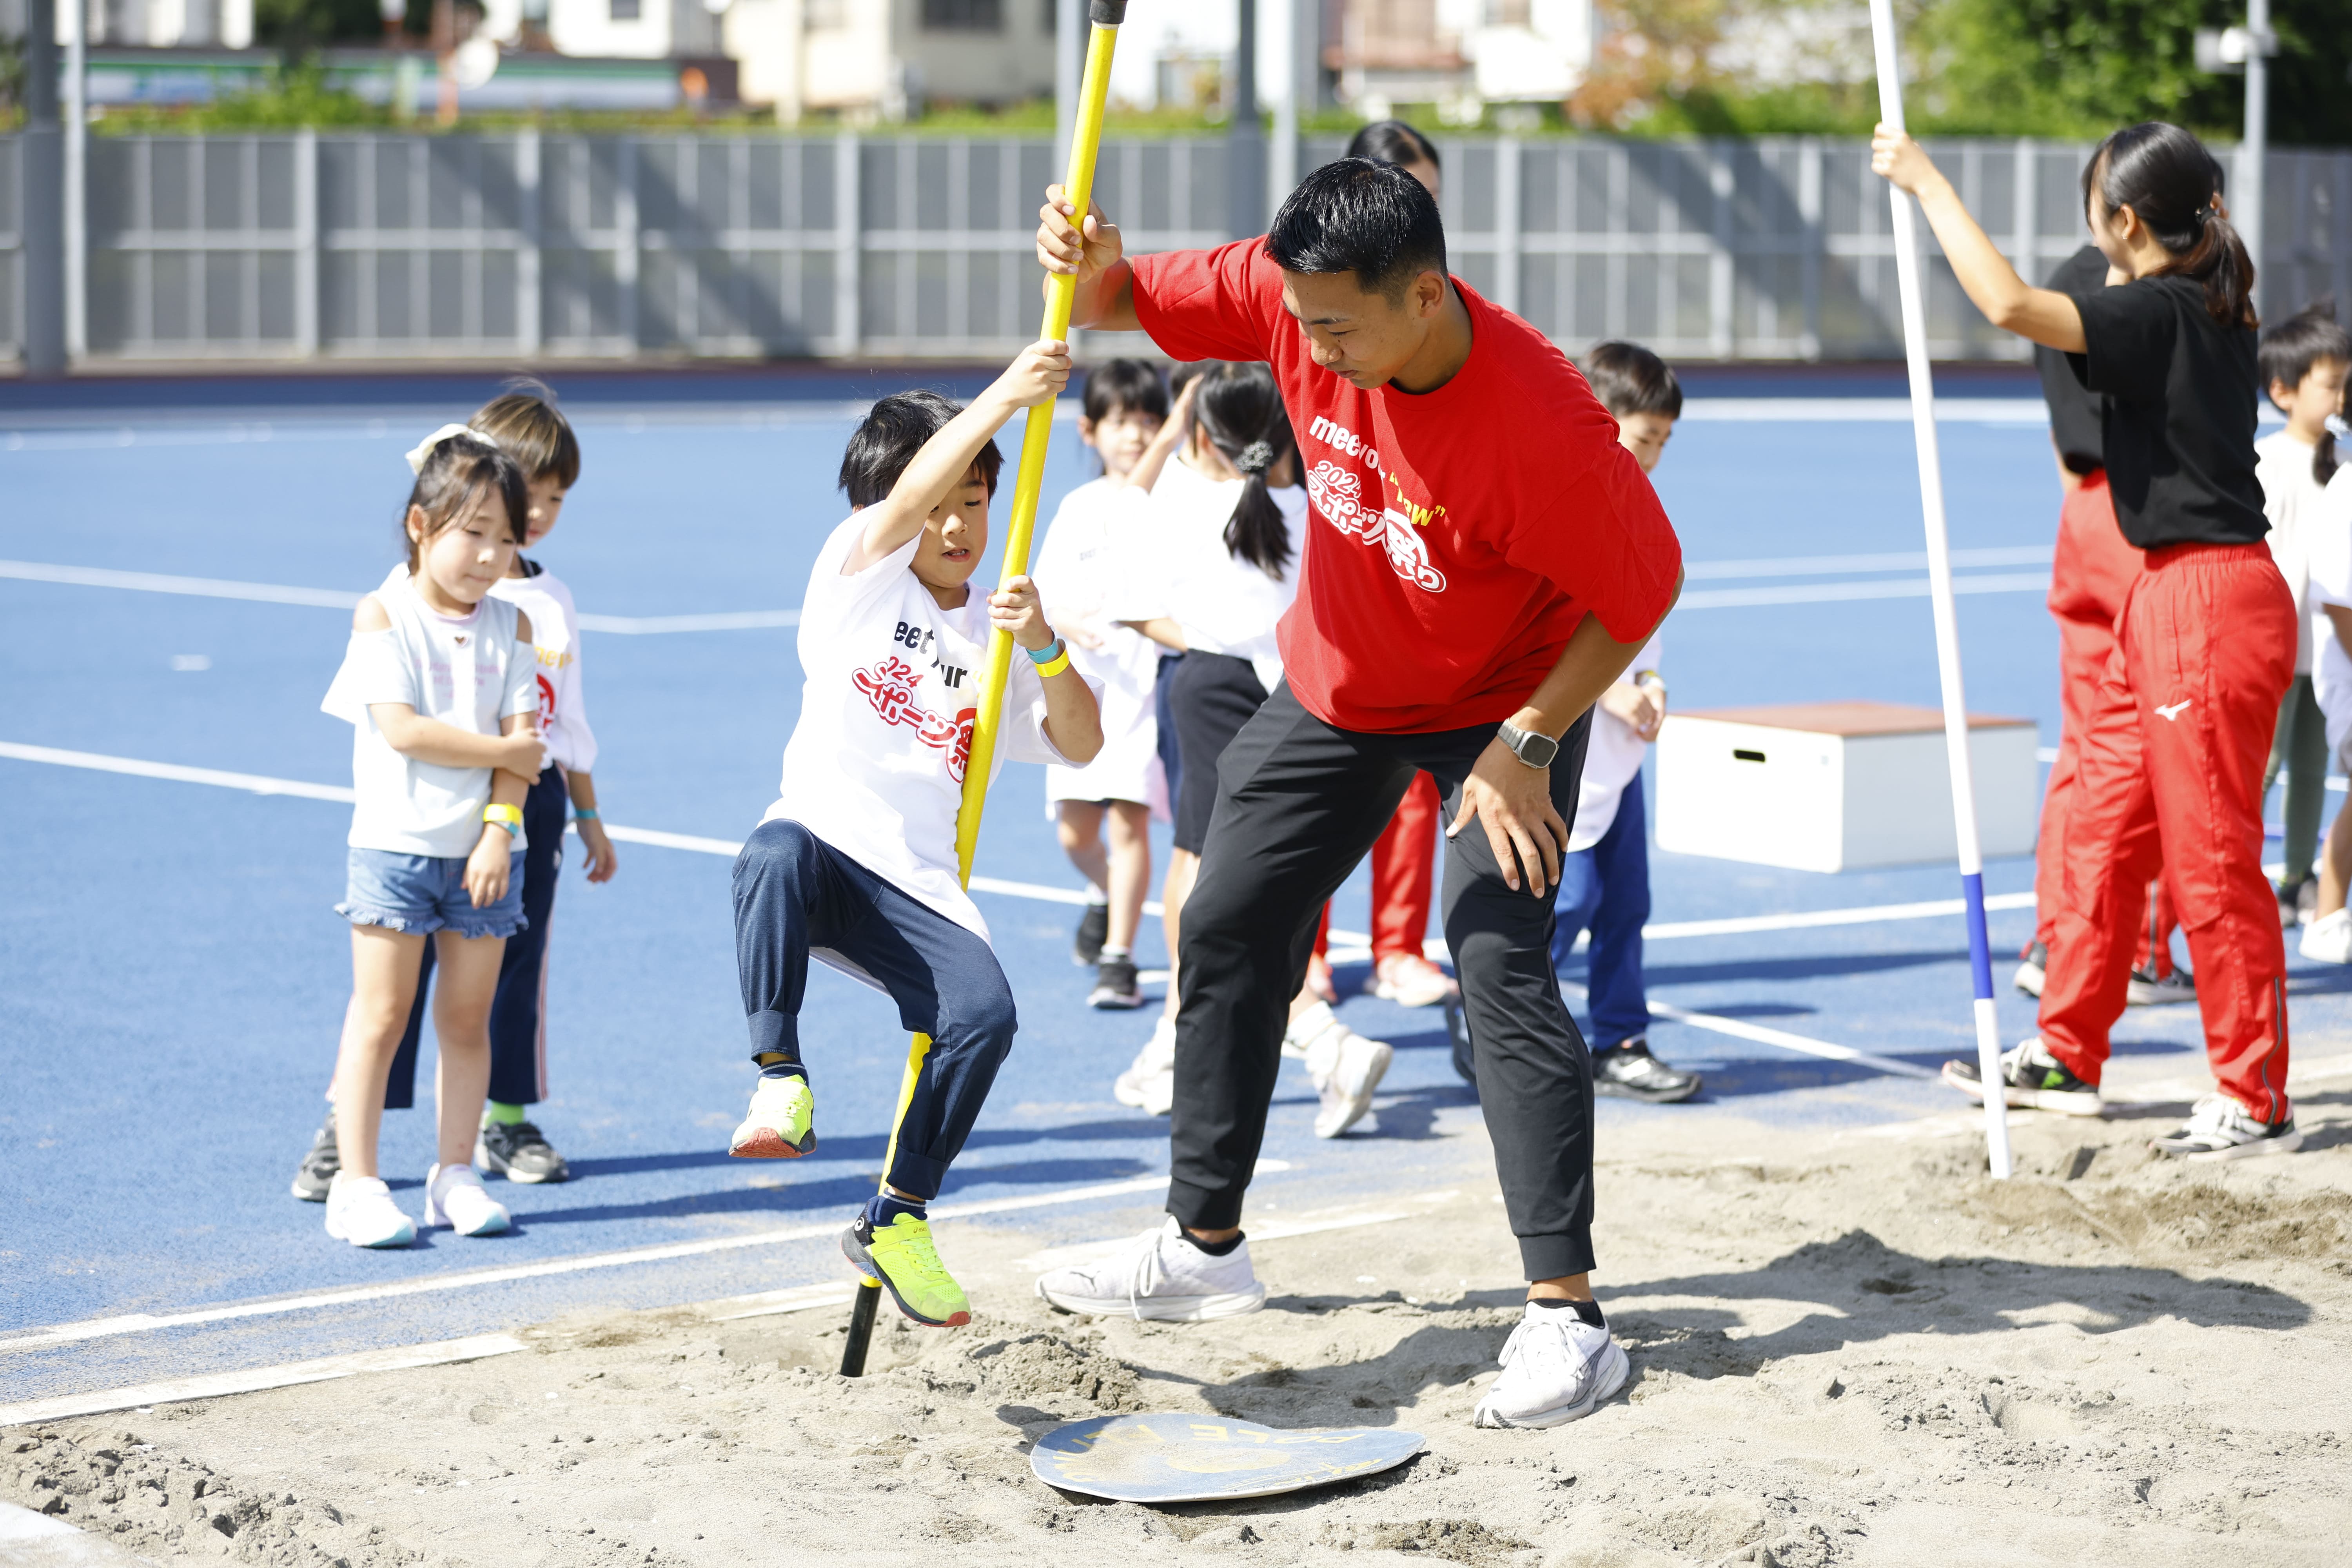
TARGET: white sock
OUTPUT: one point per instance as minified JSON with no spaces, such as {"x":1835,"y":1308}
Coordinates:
{"x":1110,"y":952}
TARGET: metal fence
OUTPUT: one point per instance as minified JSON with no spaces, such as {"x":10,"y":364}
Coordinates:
{"x":384,"y":246}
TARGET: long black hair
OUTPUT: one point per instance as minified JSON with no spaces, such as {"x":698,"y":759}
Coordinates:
{"x":2288,"y":351}
{"x":2164,"y":174}
{"x":1241,"y":412}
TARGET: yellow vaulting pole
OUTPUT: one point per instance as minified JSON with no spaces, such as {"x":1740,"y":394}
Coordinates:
{"x":1061,"y":289}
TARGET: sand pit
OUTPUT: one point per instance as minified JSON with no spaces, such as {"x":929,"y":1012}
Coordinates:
{"x":1847,"y":1349}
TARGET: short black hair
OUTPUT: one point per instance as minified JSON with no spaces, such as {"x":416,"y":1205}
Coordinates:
{"x":1628,"y":379}
{"x":1130,"y":384}
{"x":1393,"y":142}
{"x":2290,"y":349}
{"x":890,"y":434}
{"x":1364,"y":217}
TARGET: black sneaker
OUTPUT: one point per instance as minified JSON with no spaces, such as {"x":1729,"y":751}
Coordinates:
{"x":2033,"y":970}
{"x":319,"y":1166}
{"x":2031,"y":1078}
{"x":2149,"y":989}
{"x":2296,"y":900}
{"x":1115,"y":987}
{"x":1094,"y":929}
{"x":516,"y":1151}
{"x":1629,"y":1072}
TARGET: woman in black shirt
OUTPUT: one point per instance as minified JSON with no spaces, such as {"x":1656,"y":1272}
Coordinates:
{"x":2173,"y":747}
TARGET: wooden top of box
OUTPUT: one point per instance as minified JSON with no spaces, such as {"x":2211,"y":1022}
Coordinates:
{"x":1848,"y":718}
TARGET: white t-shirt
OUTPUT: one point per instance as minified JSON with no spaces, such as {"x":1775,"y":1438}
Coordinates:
{"x":2326,"y":532}
{"x":1177,"y":565}
{"x":471,"y":673}
{"x":2291,"y":499}
{"x":555,"y":634}
{"x":874,"y":767}
{"x":1612,"y":761}
{"x":1074,"y":571}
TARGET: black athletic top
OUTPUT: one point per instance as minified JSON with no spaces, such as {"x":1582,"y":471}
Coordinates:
{"x":2181,"y":413}
{"x":2078,"y":417}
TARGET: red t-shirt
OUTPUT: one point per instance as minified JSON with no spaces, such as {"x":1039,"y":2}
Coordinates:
{"x":1464,"y":533}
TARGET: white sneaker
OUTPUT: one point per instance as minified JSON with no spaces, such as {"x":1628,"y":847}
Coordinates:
{"x":1409,"y":980}
{"x":455,"y":1196}
{"x":1161,"y":1276}
{"x":1345,"y":1067}
{"x":2219,"y":1128}
{"x":1149,"y":1082}
{"x":360,"y":1210}
{"x":1555,"y":1368}
{"x":2328,"y":939}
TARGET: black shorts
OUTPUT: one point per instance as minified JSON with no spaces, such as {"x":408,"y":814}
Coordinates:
{"x":1211,"y":696}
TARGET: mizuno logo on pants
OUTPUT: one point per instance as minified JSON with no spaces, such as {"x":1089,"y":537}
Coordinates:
{"x":2172,"y":711}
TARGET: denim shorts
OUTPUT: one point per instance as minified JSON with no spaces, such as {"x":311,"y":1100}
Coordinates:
{"x":422,"y":893}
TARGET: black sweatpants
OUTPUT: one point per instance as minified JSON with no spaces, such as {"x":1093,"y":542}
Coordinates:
{"x":1300,"y":802}
{"x":518,"y":1012}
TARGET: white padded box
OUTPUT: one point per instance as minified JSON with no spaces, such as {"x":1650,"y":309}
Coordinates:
{"x":1837,"y":786}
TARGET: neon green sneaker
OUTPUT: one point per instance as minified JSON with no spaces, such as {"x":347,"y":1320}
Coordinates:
{"x":901,"y":1256}
{"x":781,"y":1124}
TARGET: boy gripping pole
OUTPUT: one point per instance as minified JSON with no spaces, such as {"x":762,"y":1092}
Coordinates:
{"x":1939,"y":584}
{"x":1105,"y":15}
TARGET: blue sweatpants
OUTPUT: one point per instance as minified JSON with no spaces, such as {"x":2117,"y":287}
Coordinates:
{"x":1606,"y":889}
{"x":795,"y":892}
{"x":519,"y":1013}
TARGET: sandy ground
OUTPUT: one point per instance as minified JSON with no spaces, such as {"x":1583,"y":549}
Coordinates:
{"x":1848,"y":1349}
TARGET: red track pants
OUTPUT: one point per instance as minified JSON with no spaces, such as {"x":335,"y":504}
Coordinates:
{"x":2090,"y":575}
{"x":2170,"y":781}
{"x":1402,"y":865}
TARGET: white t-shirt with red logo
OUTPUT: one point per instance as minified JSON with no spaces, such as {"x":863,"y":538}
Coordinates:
{"x":1467,"y":530}
{"x":891,"y":685}
{"x":555,"y":636}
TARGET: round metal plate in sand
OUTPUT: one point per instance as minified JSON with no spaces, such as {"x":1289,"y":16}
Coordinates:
{"x":1201,"y":1459}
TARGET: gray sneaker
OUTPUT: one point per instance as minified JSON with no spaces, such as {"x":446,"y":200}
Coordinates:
{"x":2219,"y":1128}
{"x":317,"y":1172}
{"x":1629,"y":1072}
{"x":516,"y":1151}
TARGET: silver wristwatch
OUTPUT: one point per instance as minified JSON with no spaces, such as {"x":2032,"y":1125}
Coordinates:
{"x":1536,"y":751}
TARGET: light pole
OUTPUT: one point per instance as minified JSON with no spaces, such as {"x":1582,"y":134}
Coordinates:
{"x":77,"y":170}
{"x":45,"y":208}
{"x":2227,"y":51}
{"x":1245,"y":139}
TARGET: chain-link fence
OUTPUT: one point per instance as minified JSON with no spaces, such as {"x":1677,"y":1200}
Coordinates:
{"x":384,"y":246}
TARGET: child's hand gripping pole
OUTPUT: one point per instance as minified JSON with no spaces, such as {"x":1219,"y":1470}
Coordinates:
{"x":1939,"y":586}
{"x":1060,"y":289}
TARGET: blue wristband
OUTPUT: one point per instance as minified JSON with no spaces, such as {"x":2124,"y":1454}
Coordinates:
{"x":1046,"y":655}
{"x":583,"y":813}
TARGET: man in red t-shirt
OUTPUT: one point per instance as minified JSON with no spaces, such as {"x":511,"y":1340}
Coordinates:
{"x":1483,"y":559}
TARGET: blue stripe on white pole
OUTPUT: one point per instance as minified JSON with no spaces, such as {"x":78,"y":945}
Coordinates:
{"x":1939,"y":587}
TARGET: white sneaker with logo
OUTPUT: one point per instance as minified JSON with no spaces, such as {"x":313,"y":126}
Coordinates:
{"x":1555,"y":1368}
{"x":2328,"y":939}
{"x":455,"y":1196}
{"x":1160,"y":1276}
{"x":2219,"y":1128}
{"x":1148,"y":1084}
{"x":1345,"y":1067}
{"x":360,"y":1210}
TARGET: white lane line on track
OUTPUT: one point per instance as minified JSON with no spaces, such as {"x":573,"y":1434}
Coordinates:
{"x":754,"y":620}
{"x":273,"y":1306}
{"x":1834,"y":565}
{"x":1663,"y":930}
{"x":340,"y":599}
{"x":214,"y":1385}
{"x":1804,"y":1043}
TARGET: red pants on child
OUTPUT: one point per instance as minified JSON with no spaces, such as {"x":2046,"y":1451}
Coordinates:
{"x":2090,"y":575}
{"x":2170,"y":781}
{"x":1404,"y":862}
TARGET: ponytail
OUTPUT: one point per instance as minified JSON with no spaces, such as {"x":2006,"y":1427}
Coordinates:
{"x":2323,"y":458}
{"x":1241,"y":412}
{"x":2167,"y":177}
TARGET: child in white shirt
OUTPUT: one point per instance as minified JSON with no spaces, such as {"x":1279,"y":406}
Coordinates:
{"x":437,"y":684}
{"x":2302,"y":362}
{"x":1604,"y":876}
{"x":524,"y":423}
{"x":854,"y":864}
{"x":1126,"y":402}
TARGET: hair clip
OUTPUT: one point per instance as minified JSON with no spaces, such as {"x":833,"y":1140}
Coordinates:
{"x":421,"y":452}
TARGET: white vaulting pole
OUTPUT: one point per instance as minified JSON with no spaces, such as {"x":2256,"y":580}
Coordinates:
{"x":1939,"y":587}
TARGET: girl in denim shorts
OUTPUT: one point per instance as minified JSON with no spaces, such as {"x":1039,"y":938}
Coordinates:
{"x":439,"y":687}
